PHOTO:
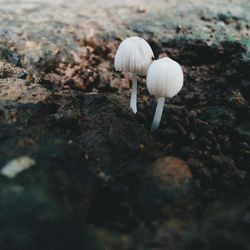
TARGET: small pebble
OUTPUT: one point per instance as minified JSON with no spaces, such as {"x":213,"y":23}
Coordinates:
{"x":141,"y":9}
{"x":16,"y":166}
{"x":21,"y":75}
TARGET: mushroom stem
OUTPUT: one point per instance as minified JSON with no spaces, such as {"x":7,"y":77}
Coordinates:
{"x":158,"y":113}
{"x":133,"y":105}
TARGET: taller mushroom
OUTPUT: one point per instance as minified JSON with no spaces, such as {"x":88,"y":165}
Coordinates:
{"x":134,"y":55}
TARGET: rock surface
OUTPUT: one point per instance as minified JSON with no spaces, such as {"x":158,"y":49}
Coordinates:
{"x":172,"y":176}
{"x":101,"y":179}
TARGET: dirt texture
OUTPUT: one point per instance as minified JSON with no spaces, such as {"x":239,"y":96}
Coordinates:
{"x":101,"y":179}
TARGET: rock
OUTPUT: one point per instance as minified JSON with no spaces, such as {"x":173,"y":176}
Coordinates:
{"x":10,"y":56}
{"x":166,"y":183}
{"x":7,"y":70}
{"x":172,"y":174}
{"x":119,"y":84}
{"x":115,"y":83}
{"x":14,"y":167}
{"x":42,"y":46}
{"x":67,"y":116}
{"x":141,"y":9}
{"x":21,"y":75}
{"x":20,"y":91}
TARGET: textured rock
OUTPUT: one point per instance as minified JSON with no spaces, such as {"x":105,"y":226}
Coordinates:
{"x":172,"y":177}
{"x":94,"y":185}
{"x":41,"y":44}
{"x":21,"y":91}
{"x":165,"y":185}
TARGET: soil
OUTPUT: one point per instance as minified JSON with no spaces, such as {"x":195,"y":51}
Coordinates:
{"x":99,"y":180}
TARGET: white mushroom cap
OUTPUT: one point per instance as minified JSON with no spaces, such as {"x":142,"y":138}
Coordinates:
{"x":134,"y":55}
{"x":164,"y":78}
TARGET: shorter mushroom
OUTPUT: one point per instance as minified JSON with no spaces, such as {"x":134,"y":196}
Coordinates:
{"x":164,"y":79}
{"x":134,"y":55}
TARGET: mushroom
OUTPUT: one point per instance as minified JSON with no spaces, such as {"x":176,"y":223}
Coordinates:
{"x":134,"y":55}
{"x":164,"y":79}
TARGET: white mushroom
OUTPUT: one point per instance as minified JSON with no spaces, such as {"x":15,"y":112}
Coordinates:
{"x":134,"y":55}
{"x":164,"y":79}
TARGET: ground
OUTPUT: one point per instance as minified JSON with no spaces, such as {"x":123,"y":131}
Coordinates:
{"x":101,"y":179}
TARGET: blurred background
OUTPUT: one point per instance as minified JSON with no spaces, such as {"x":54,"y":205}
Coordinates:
{"x":80,"y":171}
